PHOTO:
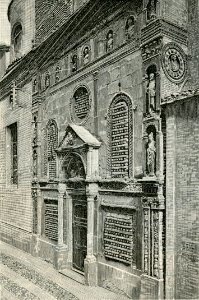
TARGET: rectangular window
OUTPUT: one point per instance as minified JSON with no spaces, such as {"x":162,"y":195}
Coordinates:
{"x":14,"y":154}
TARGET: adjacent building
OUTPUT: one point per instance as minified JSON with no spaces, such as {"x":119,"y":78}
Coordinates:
{"x":99,"y":141}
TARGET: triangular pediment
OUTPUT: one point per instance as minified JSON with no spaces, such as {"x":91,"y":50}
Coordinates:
{"x":77,"y":136}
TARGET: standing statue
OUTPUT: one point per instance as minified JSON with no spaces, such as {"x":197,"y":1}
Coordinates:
{"x":151,"y":154}
{"x":130,"y":28}
{"x":109,"y":42}
{"x":151,"y":90}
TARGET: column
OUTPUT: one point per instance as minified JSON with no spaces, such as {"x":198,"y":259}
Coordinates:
{"x":60,"y":254}
{"x":90,"y":263}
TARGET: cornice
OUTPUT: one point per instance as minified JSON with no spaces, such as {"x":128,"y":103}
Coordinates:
{"x":160,"y":28}
{"x":184,"y":95}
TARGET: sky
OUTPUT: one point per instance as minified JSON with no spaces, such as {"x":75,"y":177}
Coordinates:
{"x":4,"y":23}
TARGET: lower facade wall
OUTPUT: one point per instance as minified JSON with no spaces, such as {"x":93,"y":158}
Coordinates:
{"x":16,"y":237}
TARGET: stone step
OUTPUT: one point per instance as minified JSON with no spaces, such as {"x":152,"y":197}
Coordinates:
{"x":72,"y":274}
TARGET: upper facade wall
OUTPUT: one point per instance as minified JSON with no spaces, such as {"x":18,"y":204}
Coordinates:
{"x":21,"y":14}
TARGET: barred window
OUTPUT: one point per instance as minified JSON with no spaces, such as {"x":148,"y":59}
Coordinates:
{"x":14,"y":153}
{"x":120,"y":136}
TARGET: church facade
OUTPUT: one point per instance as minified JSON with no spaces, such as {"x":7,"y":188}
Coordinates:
{"x":99,"y":142}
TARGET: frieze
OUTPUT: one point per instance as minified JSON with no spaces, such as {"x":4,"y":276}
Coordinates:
{"x":152,"y":48}
{"x":174,"y":62}
{"x":121,"y":186}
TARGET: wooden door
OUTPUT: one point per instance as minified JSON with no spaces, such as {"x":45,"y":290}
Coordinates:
{"x":79,"y":231}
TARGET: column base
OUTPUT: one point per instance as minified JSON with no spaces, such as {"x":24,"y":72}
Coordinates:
{"x":60,"y":257}
{"x":91,"y":272}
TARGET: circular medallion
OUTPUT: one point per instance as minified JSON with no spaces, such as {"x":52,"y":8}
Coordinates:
{"x":174,"y":62}
{"x":80,"y":105}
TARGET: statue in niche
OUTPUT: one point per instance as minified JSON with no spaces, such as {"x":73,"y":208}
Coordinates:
{"x":35,"y":85}
{"x":130,"y":28}
{"x":86,"y":55}
{"x":151,"y":10}
{"x":74,"y":63}
{"x":47,"y":81}
{"x":151,"y":91}
{"x":174,"y":63}
{"x":151,"y":155}
{"x":109,"y":42}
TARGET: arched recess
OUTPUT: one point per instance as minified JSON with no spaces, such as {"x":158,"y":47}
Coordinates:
{"x":73,"y":166}
{"x":120,"y":135}
{"x":51,"y":146}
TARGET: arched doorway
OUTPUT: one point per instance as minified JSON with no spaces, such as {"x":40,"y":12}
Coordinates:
{"x":75,"y":174}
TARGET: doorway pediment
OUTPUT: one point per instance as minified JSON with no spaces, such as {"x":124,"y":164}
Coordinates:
{"x":77,"y":136}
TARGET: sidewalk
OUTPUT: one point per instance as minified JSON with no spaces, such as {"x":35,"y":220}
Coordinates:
{"x":25,"y":277}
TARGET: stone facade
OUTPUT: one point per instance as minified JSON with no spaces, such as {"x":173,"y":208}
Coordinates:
{"x":100,"y":143}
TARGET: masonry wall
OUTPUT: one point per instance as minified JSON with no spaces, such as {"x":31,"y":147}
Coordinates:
{"x":175,"y":11}
{"x":16,"y":202}
{"x":22,"y":11}
{"x":182,"y":201}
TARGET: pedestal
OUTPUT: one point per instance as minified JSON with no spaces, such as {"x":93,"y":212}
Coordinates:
{"x":90,"y":268}
{"x":60,"y":257}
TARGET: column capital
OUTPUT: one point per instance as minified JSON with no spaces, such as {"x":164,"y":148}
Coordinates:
{"x":61,"y":188}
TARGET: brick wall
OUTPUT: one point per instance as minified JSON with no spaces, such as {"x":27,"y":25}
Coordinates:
{"x":16,"y":202}
{"x":193,"y":38}
{"x":49,"y":16}
{"x":175,"y":11}
{"x":182,"y":201}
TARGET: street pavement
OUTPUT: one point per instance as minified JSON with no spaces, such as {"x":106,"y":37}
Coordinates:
{"x":25,"y":277}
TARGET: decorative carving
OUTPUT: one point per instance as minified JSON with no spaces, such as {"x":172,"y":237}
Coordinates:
{"x":34,"y":163}
{"x":109,"y":41}
{"x":120,"y":136}
{"x":86,"y":55}
{"x":152,"y":48}
{"x":146,"y":241}
{"x":151,"y":10}
{"x":174,"y":62}
{"x":34,"y":140}
{"x":120,"y":238}
{"x":130,"y":28}
{"x":156,"y":244}
{"x":34,"y":199}
{"x":151,"y":155}
{"x":52,"y":139}
{"x":51,"y":220}
{"x":80,"y":105}
{"x":121,"y":185}
{"x":150,"y":202}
